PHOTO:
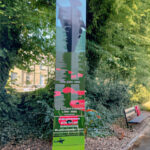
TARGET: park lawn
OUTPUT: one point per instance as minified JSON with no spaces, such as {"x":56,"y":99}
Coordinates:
{"x":146,"y":106}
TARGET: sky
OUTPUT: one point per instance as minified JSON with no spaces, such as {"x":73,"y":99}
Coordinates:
{"x":66,"y":3}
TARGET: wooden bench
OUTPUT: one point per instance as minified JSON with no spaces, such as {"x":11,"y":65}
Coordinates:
{"x":132,"y":117}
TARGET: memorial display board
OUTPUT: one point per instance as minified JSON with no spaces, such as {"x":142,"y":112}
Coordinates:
{"x":69,"y":102}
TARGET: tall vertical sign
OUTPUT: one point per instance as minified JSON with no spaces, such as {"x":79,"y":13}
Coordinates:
{"x":68,"y":127}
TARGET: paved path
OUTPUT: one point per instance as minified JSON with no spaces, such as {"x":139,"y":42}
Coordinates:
{"x":145,"y":141}
{"x":145,"y":144}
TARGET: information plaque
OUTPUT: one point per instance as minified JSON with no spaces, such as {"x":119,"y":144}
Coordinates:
{"x":69,"y":102}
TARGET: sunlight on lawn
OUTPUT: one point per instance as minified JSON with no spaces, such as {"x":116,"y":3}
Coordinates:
{"x":147,"y":105}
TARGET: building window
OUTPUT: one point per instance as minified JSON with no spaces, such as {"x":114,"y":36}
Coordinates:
{"x":41,"y":67}
{"x":13,"y":77}
{"x":41,"y":80}
{"x":27,"y":79}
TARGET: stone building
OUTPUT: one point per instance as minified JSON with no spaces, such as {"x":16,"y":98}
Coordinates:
{"x":24,"y":81}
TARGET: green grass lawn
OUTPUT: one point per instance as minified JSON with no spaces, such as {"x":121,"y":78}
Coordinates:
{"x":146,"y":106}
{"x":69,"y":143}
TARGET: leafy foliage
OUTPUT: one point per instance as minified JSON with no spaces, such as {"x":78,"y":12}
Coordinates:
{"x":38,"y":108}
{"x":108,"y":98}
{"x":31,"y":116}
{"x":121,"y":28}
{"x":27,"y":34}
{"x":118,"y":44}
{"x":25,"y":40}
{"x":140,"y":94}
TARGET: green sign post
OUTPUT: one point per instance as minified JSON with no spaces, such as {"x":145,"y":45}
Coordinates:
{"x":68,"y":127}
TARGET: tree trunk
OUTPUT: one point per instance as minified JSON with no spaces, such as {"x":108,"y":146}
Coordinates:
{"x":9,"y":46}
{"x":4,"y":73}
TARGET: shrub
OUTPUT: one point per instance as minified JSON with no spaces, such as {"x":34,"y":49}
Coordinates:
{"x":109,"y":99}
{"x":26,"y":115}
{"x":38,"y":109}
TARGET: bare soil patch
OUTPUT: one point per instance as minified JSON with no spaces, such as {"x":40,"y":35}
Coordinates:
{"x":29,"y":144}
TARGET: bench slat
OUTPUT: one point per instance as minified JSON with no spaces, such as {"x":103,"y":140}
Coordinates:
{"x":129,"y":109}
{"x":138,"y":119}
{"x":130,"y":114}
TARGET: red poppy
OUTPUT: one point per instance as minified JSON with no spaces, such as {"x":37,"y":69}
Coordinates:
{"x":80,"y":75}
{"x":78,"y":104}
{"x":58,"y":69}
{"x":57,"y":93}
{"x":68,"y":120}
{"x":69,"y":90}
{"x":70,"y":72}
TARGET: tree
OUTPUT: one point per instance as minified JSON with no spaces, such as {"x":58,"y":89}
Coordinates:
{"x":121,"y":30}
{"x":26,"y":32}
